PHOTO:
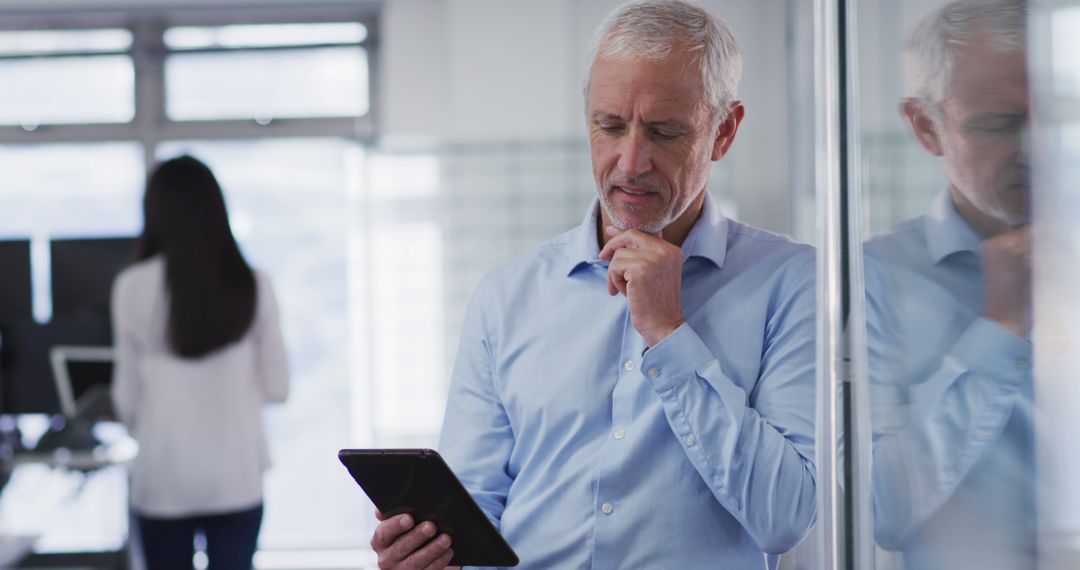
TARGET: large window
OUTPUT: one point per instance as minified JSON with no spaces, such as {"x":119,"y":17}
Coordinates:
{"x":278,"y":105}
{"x":266,"y":72}
{"x":49,"y":77}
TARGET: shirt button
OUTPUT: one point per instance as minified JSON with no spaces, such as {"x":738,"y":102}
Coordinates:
{"x":607,"y":508}
{"x":654,"y":372}
{"x":618,"y":434}
{"x":689,"y":440}
{"x":629,"y":365}
{"x":1022,"y":365}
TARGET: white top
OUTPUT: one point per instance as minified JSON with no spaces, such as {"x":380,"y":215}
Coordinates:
{"x":202,"y":444}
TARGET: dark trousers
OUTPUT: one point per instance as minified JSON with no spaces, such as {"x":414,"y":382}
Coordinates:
{"x":169,"y":543}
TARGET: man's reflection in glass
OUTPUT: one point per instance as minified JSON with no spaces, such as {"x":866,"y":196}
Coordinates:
{"x":949,"y":308}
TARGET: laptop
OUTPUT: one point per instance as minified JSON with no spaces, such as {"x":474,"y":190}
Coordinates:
{"x":83,"y":375}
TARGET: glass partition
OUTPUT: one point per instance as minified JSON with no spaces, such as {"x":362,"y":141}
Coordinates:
{"x":962,"y":238}
{"x":1056,"y":246}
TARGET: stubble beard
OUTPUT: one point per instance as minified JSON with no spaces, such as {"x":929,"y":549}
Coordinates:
{"x":998,"y":201}
{"x":1008,"y":203}
{"x":654,"y":224}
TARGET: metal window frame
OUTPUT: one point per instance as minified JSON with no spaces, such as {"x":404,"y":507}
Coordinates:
{"x":150,"y":125}
{"x":843,"y":429}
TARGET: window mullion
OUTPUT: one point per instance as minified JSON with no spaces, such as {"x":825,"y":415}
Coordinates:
{"x":148,"y":53}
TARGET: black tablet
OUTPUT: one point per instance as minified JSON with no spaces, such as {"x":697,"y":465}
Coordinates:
{"x":418,"y":482}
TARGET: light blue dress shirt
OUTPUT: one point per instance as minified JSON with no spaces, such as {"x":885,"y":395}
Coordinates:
{"x":952,"y":403}
{"x":589,"y":452}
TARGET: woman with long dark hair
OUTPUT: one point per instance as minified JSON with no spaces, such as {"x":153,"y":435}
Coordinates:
{"x":198,"y":354}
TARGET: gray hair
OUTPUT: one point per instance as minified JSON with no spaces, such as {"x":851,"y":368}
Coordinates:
{"x":929,"y":54}
{"x":649,"y":29}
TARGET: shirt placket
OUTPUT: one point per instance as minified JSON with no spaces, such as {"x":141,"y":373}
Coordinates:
{"x":611,"y":512}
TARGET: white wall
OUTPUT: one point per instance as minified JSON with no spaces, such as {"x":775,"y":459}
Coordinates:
{"x":468,"y":70}
{"x":884,"y":27}
{"x":490,"y":70}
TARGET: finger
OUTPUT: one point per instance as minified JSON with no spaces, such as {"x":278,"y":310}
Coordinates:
{"x":608,"y":255}
{"x":430,"y":553}
{"x":617,"y":276}
{"x":387,"y":531}
{"x":379,"y":515}
{"x":616,"y":283}
{"x":628,"y":259}
{"x":1020,"y":234}
{"x":442,"y":561}
{"x":411,"y":544}
{"x":629,"y":238}
{"x":633,"y":254}
{"x":1024,"y":238}
{"x":612,"y":231}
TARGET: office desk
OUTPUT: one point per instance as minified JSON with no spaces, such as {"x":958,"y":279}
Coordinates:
{"x":73,"y":507}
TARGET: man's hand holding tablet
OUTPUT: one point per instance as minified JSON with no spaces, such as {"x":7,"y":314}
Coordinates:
{"x":401,"y":544}
{"x":428,"y":520}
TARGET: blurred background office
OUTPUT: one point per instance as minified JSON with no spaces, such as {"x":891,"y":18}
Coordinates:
{"x":378,"y":158}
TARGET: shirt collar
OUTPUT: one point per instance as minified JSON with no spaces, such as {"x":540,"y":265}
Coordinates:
{"x":707,"y":239}
{"x":946,"y":232}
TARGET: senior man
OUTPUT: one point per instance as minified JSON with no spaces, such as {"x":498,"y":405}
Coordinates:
{"x":638,"y":392}
{"x":950,"y":307}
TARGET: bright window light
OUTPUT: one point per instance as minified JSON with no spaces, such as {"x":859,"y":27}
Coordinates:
{"x":404,"y":175}
{"x":255,"y":36}
{"x":46,"y":42}
{"x":267,"y":85}
{"x":1066,"y":44}
{"x":407,"y":306}
{"x":69,"y":89}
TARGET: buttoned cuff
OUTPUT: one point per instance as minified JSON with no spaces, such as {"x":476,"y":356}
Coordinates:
{"x":682,"y":355}
{"x":988,"y":348}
